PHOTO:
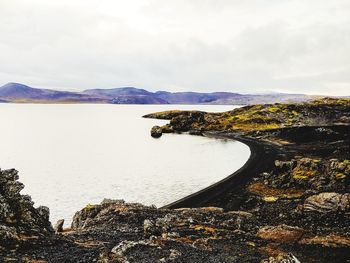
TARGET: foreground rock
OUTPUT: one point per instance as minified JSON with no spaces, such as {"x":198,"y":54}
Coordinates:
{"x":20,"y":223}
{"x":327,"y":203}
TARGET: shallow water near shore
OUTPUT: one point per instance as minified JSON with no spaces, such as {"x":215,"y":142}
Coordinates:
{"x":74,"y":154}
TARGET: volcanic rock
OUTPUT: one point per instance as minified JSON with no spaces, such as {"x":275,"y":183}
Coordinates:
{"x":156,"y":132}
{"x":327,"y":203}
{"x":281,"y":233}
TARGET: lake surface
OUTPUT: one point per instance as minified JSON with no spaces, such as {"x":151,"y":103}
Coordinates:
{"x":71,"y":155}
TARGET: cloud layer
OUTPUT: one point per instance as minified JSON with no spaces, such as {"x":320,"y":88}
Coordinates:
{"x":202,"y":45}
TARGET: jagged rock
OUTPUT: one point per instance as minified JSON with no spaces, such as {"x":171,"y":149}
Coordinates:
{"x":310,"y":173}
{"x":18,"y":217}
{"x":59,"y":226}
{"x":156,"y":132}
{"x":114,"y":213}
{"x":281,"y":233}
{"x":185,"y":121}
{"x":326,"y":203}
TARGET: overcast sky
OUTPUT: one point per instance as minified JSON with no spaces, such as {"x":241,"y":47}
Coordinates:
{"x":299,"y":46}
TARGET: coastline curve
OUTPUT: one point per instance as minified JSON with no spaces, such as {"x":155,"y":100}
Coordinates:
{"x":215,"y":194}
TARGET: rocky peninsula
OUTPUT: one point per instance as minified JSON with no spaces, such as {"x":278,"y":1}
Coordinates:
{"x":289,"y":203}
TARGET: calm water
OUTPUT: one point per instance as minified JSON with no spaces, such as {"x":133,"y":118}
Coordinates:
{"x":72,"y":155}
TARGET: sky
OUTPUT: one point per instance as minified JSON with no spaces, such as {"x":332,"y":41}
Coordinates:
{"x":253,"y":46}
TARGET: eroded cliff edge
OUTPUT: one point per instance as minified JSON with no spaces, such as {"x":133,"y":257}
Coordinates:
{"x":291,"y":202}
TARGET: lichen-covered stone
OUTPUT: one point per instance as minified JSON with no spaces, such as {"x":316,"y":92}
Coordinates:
{"x":327,"y":203}
{"x":156,"y":132}
{"x":281,"y":233}
{"x":332,"y":240}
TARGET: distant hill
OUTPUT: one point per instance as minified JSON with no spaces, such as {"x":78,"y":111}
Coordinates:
{"x":15,"y":92}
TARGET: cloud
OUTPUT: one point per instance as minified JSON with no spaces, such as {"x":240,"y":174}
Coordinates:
{"x":201,"y":45}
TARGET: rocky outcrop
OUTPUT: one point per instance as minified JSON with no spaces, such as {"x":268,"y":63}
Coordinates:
{"x":20,"y":222}
{"x":310,"y":173}
{"x":258,"y":119}
{"x":114,"y":214}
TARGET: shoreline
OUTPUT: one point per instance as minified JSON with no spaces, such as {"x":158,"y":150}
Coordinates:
{"x":260,"y":153}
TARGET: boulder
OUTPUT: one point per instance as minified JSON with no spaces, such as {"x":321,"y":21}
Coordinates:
{"x":281,"y":233}
{"x":156,"y":132}
{"x":328,"y":202}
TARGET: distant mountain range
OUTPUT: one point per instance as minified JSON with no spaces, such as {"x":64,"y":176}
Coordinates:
{"x":19,"y":93}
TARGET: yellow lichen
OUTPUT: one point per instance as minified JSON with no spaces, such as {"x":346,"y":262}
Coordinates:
{"x":89,"y":206}
{"x":270,"y":198}
{"x":273,"y":109}
{"x":252,"y":244}
{"x":204,"y":228}
{"x":302,"y":173}
{"x":340,"y":176}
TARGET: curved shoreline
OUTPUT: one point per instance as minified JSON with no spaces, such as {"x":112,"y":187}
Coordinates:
{"x":261,"y":157}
